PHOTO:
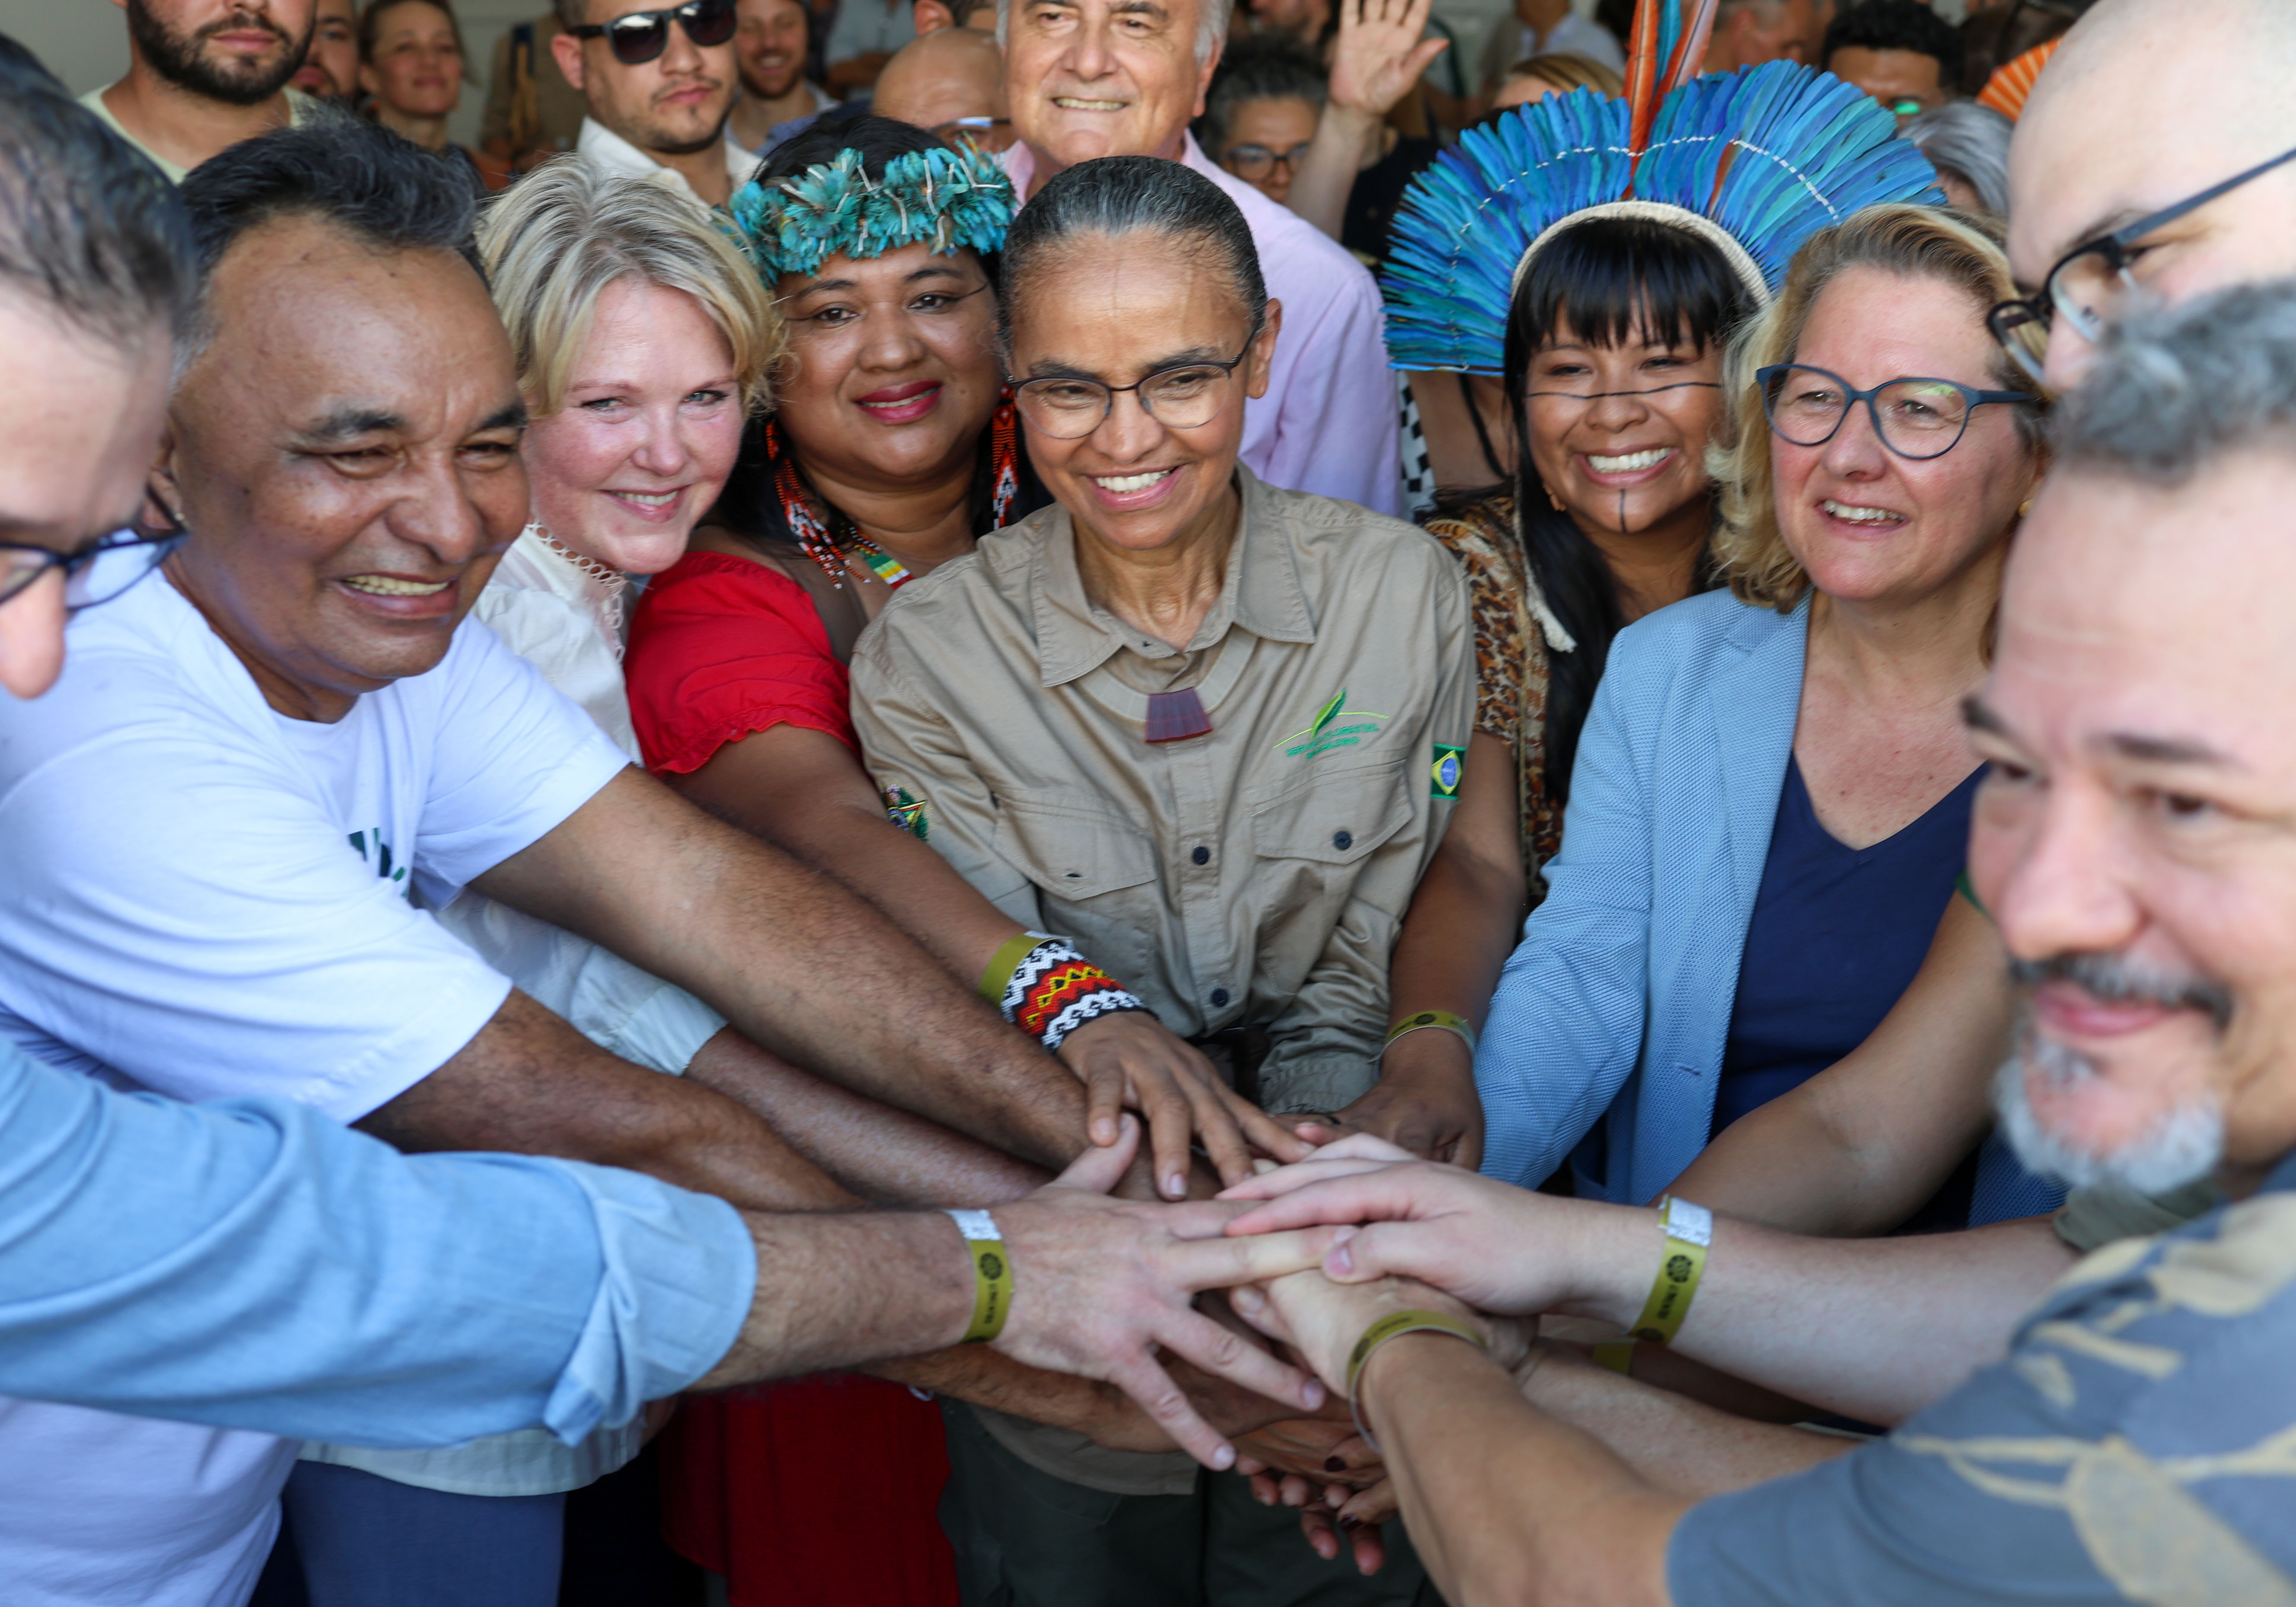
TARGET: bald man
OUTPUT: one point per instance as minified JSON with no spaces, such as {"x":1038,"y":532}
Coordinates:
{"x":949,"y":74}
{"x":2144,"y":106}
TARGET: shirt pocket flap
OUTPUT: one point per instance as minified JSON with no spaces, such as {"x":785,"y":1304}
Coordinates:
{"x":1335,"y":819}
{"x":1072,"y":851}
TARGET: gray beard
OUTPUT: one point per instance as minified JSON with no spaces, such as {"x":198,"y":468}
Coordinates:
{"x":2181,"y":1146}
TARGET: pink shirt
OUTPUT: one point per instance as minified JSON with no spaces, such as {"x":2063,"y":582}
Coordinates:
{"x":1328,"y":423}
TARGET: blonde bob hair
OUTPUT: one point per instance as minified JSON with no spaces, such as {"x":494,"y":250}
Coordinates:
{"x":1910,"y":241}
{"x":558,"y":237}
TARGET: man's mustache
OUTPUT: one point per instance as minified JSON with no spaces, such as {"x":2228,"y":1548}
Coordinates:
{"x":239,"y":22}
{"x":2119,"y":980}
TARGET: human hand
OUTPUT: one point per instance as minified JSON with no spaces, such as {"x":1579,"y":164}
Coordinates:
{"x":1341,"y":1517}
{"x":1424,"y":1102}
{"x":1321,"y":1320}
{"x":1381,"y":52}
{"x":1319,"y":1451}
{"x":1129,"y":1058}
{"x":1099,"y":1283}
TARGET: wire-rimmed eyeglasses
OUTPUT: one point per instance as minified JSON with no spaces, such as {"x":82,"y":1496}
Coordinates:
{"x":1186,"y":396}
{"x":2091,"y":278}
{"x":96,"y":573}
{"x":637,"y":37}
{"x":1915,"y":417}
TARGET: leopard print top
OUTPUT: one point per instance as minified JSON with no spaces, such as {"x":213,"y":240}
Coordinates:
{"x":1514,"y":632}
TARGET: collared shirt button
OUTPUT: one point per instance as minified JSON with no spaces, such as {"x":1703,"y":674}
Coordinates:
{"x":1200,"y":855}
{"x":1342,"y":842}
{"x":1219,"y":998}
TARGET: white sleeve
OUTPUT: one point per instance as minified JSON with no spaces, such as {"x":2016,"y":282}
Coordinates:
{"x":512,"y":758}
{"x":180,"y":909}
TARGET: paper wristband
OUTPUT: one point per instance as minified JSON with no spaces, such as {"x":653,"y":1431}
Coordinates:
{"x":1441,"y":1020}
{"x":1689,"y":1231}
{"x":1391,"y":1326}
{"x":992,"y":1275}
{"x":1004,"y":961}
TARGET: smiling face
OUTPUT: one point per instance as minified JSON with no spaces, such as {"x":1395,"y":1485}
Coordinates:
{"x":769,"y":44}
{"x":417,"y":67}
{"x":1116,"y":311}
{"x":1619,"y":432}
{"x":673,"y":105}
{"x":2140,"y":816}
{"x":1868,"y":525}
{"x":238,"y":51}
{"x":650,"y":430}
{"x":345,"y":453}
{"x":893,"y":365}
{"x":1103,"y":78}
{"x":73,"y":451}
{"x":330,"y":68}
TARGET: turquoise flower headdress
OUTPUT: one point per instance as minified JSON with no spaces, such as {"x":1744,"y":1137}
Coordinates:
{"x":1753,"y":163}
{"x":950,"y":199}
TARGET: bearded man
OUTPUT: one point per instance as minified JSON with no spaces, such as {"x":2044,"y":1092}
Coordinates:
{"x":203,"y":75}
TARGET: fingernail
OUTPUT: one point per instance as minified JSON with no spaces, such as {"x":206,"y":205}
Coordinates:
{"x":1345,"y":1233}
{"x":1312,"y":1396}
{"x":1176,"y":1186}
{"x":1223,"y":1458}
{"x":1341,"y":1259}
{"x":1350,"y":1523}
{"x":1333,"y":1465}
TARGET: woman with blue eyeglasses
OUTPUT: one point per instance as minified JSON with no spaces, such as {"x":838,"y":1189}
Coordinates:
{"x":1770,"y":804}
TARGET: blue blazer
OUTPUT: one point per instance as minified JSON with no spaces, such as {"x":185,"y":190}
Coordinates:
{"x":1615,"y":1008}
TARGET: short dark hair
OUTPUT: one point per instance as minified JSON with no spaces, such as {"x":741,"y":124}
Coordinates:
{"x":88,"y":224}
{"x":360,"y":176}
{"x":1896,"y":25}
{"x":1265,"y":69}
{"x":878,"y":140}
{"x":1119,"y":195}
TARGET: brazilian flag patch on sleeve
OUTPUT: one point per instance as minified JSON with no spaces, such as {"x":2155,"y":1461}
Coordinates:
{"x":1446,"y":770}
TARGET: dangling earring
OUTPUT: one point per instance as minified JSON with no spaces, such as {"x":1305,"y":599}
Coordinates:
{"x":1555,"y":502}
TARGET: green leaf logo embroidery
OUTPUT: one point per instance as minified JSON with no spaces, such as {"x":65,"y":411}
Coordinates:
{"x":1335,"y":726}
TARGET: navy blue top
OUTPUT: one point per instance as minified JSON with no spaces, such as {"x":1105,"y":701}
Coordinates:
{"x":1837,"y":935}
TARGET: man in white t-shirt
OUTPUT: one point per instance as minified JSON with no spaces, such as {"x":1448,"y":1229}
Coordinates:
{"x":202,"y":75}
{"x":229,"y":819}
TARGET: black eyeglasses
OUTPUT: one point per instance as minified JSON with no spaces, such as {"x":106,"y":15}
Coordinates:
{"x":1252,"y":163}
{"x":2088,"y":280}
{"x":1186,"y":395}
{"x":637,"y":37}
{"x":96,"y":573}
{"x":1916,"y":418}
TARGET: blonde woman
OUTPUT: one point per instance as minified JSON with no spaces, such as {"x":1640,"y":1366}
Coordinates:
{"x":1770,"y":802}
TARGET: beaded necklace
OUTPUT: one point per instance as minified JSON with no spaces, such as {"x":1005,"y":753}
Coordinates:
{"x":828,"y":543}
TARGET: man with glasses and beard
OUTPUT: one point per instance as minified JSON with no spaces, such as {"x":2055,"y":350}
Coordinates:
{"x":660,"y":85}
{"x":2156,"y":159}
{"x":206,"y":74}
{"x":2136,"y":840}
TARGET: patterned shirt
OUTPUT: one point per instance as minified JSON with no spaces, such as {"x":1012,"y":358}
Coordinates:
{"x":2138,"y":1445}
{"x":1514,"y":632}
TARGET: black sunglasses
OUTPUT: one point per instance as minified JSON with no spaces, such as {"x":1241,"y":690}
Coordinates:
{"x":96,"y":573}
{"x":637,"y":37}
{"x":2083,"y":278}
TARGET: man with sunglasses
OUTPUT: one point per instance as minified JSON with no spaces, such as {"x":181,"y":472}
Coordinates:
{"x":2155,"y":159}
{"x":660,"y":85}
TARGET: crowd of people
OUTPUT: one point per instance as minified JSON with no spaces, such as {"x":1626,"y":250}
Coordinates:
{"x":1088,"y":802}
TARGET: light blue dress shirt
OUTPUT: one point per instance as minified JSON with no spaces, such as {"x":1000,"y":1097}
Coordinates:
{"x":253,"y":1265}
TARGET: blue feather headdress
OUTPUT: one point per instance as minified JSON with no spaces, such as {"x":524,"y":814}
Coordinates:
{"x":949,"y":199}
{"x":1753,"y":163}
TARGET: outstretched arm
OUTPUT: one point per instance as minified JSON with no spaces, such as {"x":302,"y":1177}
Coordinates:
{"x":1381,"y":54}
{"x":803,"y":967}
{"x":1858,"y":1148}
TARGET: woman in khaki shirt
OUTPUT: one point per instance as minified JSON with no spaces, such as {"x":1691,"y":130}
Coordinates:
{"x":1208,"y":729}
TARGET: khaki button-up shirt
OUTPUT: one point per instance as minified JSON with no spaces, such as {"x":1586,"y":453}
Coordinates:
{"x":1253,"y":876}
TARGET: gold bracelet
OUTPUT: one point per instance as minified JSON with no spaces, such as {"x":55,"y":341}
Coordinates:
{"x":1394,"y":1324}
{"x":1442,"y":1021}
{"x":1689,"y":1231}
{"x":992,"y":1275}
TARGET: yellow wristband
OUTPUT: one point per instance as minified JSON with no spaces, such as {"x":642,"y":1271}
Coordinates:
{"x":1394,"y":1324}
{"x":1001,"y":965}
{"x":1441,"y":1020}
{"x":992,"y":1275}
{"x":1617,"y":1355}
{"x":1689,"y":1230}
